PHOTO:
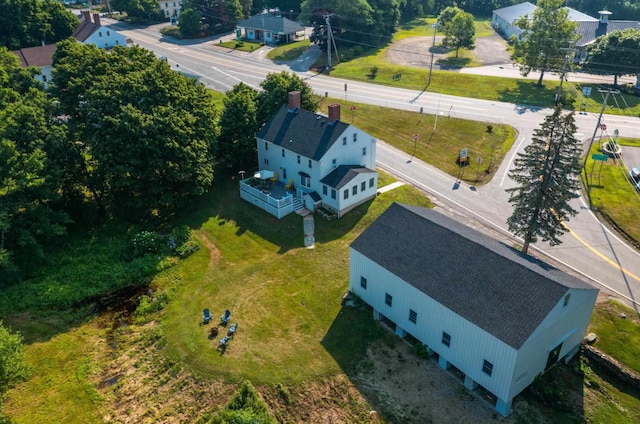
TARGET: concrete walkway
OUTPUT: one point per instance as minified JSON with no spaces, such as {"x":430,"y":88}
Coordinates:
{"x":390,"y":187}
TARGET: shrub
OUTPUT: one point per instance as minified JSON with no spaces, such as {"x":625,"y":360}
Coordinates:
{"x":149,"y":305}
{"x":181,"y":234}
{"x":146,"y":242}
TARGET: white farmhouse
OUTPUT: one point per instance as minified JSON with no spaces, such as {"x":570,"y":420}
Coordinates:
{"x":322,"y":161}
{"x":500,"y":317}
{"x":41,"y":57}
{"x":88,"y":32}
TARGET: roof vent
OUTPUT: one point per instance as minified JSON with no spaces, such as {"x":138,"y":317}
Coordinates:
{"x":318,"y":117}
{"x":290,"y":141}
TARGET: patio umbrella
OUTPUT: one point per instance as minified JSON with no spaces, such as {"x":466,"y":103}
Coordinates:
{"x":264,"y":174}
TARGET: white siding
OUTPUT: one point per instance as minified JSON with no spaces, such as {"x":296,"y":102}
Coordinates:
{"x":289,"y":162}
{"x":566,"y":324}
{"x":344,"y":205}
{"x":351,"y":152}
{"x":470,"y":345}
{"x":106,"y":38}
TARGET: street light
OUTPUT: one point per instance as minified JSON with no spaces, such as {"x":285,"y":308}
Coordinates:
{"x":435,"y":29}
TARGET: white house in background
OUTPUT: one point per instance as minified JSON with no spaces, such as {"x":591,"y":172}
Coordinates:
{"x":40,"y":56}
{"x":497,"y":315}
{"x":330,"y":163}
{"x":88,"y":32}
{"x":171,"y":9}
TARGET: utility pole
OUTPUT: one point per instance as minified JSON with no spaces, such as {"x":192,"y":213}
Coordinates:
{"x":563,"y":75}
{"x":604,"y":105}
{"x":433,"y":46}
{"x":329,"y":36}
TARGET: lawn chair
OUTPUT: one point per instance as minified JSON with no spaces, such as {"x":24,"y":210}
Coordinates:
{"x":232,"y":330}
{"x":222,"y":344}
{"x":206,"y":316}
{"x":224,"y":319}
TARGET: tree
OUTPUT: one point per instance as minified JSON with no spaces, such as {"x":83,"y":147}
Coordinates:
{"x":459,"y":29}
{"x":217,"y":15}
{"x":540,"y":47}
{"x":29,"y":182}
{"x":275,"y":93}
{"x":616,"y":53}
{"x":190,"y":22}
{"x":147,"y":134}
{"x":547,"y":179}
{"x":238,"y":126}
{"x":28,"y":23}
{"x":137,"y":8}
{"x":13,"y":368}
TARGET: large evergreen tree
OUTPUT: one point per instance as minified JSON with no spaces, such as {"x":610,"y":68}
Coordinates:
{"x":541,"y":46}
{"x":547,"y":179}
{"x":617,"y":54}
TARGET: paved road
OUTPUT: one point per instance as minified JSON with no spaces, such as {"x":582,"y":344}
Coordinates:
{"x":589,"y":249}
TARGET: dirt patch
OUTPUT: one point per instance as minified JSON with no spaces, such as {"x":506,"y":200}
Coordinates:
{"x":214,"y":253}
{"x":416,"y":52}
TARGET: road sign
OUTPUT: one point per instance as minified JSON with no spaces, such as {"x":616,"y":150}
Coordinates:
{"x":345,"y":86}
{"x":603,"y":127}
{"x":597,"y":156}
{"x":479,"y":160}
{"x":415,"y":137}
{"x":586,"y":91}
{"x":463,"y":154}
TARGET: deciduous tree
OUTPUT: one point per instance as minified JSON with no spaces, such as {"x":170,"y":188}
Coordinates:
{"x":238,"y":126}
{"x":458,"y":27}
{"x":541,"y":45}
{"x":13,"y":368}
{"x":275,"y":93}
{"x":546,"y":175}
{"x":190,"y":22}
{"x":617,"y":54}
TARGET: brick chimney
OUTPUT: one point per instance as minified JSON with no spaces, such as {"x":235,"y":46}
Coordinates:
{"x":334,"y":112}
{"x":86,"y":15}
{"x":294,"y":100}
{"x":96,"y":18}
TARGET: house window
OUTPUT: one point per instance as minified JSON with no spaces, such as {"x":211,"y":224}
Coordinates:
{"x":298,"y":158}
{"x":309,"y":163}
{"x":487,"y":367}
{"x":388,"y":299}
{"x":363,"y":283}
{"x":282,"y":152}
{"x":166,"y":5}
{"x":305,"y":181}
{"x":413,"y":316}
{"x":355,"y":190}
{"x":284,"y":174}
{"x":266,"y":146}
{"x":108,"y":33}
{"x":266,"y":161}
{"x":364,"y":151}
{"x":333,"y":163}
{"x":344,"y":141}
{"x":566,"y":299}
{"x":363,"y":186}
{"x":44,"y":78}
{"x":355,"y":137}
{"x":446,"y":339}
{"x":324,"y":190}
{"x":100,"y":34}
{"x":117,"y":41}
{"x":371,"y":182}
{"x":346,"y":194}
{"x":333,"y":194}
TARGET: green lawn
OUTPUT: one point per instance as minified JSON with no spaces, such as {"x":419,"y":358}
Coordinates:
{"x":610,"y":192}
{"x":244,"y":46}
{"x":439,"y":148}
{"x":289,"y":52}
{"x":286,"y":298}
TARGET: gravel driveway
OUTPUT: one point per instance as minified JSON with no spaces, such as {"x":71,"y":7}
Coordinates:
{"x":416,"y":51}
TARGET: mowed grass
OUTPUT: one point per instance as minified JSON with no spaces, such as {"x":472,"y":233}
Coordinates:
{"x":439,"y":148}
{"x":61,"y":388}
{"x":244,"y":46}
{"x":289,"y":52}
{"x":286,"y":298}
{"x":617,"y":336}
{"x":611,"y":193}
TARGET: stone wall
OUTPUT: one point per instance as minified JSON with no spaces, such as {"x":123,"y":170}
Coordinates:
{"x":616,"y":368}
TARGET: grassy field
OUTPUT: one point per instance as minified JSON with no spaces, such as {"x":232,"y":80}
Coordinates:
{"x":611,"y":193}
{"x":244,"y":46}
{"x":439,"y":148}
{"x":289,"y":52}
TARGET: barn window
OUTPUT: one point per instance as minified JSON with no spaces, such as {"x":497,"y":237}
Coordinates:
{"x":354,"y":190}
{"x":446,"y":339}
{"x":266,"y":146}
{"x":388,"y":299}
{"x":324,"y":190}
{"x":487,"y":368}
{"x":413,"y":316}
{"x":346,"y":194}
{"x":363,"y":283}
{"x":282,"y":152}
{"x":333,"y":194}
{"x":298,"y":158}
{"x":371,"y":182}
{"x":363,"y":186}
{"x":566,"y":299}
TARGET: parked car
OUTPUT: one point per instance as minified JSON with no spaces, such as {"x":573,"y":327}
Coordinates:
{"x":634,"y":174}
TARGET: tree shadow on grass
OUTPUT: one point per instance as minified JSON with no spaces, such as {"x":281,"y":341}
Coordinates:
{"x":453,"y":62}
{"x":528,"y":96}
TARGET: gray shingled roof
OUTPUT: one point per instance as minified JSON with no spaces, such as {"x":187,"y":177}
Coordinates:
{"x":592,"y":30}
{"x":303,"y":132}
{"x":343,"y":174}
{"x":495,"y":287}
{"x":269,"y":22}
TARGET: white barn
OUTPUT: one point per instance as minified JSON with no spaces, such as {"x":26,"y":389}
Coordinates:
{"x":497,"y":315}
